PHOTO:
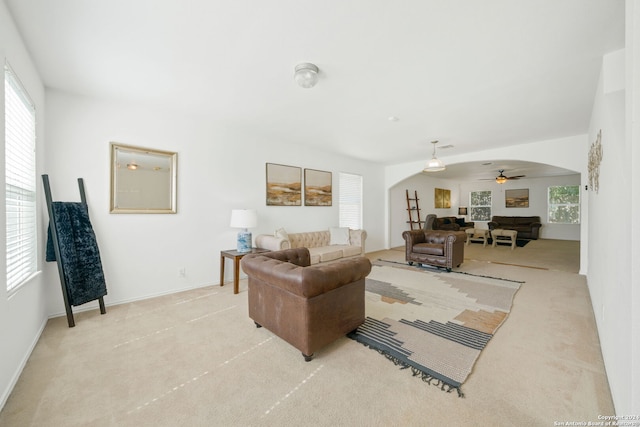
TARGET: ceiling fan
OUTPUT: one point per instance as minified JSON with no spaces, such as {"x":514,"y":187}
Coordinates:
{"x":501,"y":179}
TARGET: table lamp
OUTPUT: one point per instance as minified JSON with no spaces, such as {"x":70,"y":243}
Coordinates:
{"x":245,"y":219}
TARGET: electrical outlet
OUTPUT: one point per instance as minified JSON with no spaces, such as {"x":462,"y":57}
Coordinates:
{"x":182,"y":272}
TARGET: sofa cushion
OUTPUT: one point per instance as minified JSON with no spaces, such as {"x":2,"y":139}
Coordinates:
{"x":522,"y":220}
{"x":339,"y":235}
{"x":351,"y":250}
{"x":325,"y":253}
{"x":429,"y":249}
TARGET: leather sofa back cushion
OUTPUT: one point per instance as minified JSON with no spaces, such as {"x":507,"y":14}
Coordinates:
{"x":526,"y":219}
{"x":305,"y":281}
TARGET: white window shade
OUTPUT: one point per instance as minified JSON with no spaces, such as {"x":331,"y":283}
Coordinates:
{"x":20,"y":182}
{"x":350,"y":201}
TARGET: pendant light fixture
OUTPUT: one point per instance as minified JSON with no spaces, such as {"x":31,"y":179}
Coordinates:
{"x":435,"y":164}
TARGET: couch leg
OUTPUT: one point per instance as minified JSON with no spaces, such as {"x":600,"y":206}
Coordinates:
{"x":307,"y":358}
{"x":258,"y":325}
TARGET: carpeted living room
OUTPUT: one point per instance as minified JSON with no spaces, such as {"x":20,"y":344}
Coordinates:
{"x":314,"y":118}
{"x":195,"y":358}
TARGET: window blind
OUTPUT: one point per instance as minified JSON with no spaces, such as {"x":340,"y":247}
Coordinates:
{"x":20,"y":181}
{"x":350,"y":201}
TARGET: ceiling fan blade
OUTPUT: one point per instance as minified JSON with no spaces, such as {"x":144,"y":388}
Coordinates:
{"x":516,"y":177}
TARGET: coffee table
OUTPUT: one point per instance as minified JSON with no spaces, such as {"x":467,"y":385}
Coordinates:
{"x":505,"y":235}
{"x":477,"y":234}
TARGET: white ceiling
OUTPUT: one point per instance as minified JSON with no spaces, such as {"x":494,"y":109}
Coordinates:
{"x":472,"y":74}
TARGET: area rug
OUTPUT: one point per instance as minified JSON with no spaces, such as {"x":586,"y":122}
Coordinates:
{"x":435,"y":324}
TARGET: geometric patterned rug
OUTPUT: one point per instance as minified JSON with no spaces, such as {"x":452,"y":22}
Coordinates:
{"x":434,"y":324}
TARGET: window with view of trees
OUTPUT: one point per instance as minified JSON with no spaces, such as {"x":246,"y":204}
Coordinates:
{"x":480,"y":205}
{"x":564,"y":204}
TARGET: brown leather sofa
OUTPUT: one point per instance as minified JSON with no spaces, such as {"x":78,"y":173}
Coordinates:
{"x":307,"y":306}
{"x":528,"y":227}
{"x":447,"y":223}
{"x":439,"y":248}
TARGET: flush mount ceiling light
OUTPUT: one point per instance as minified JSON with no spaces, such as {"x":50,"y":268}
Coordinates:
{"x":306,"y":75}
{"x":435,"y":164}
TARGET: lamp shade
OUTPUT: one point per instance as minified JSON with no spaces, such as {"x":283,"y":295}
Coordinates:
{"x":244,"y":218}
{"x":435,"y":165}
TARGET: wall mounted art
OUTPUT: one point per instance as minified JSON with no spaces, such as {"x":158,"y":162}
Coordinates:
{"x":143,"y":180}
{"x":442,"y":199}
{"x":595,"y":157}
{"x":284,"y":185}
{"x":516,"y":198}
{"x":317,"y":188}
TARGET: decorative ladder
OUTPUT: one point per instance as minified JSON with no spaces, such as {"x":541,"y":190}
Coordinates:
{"x":413,"y":208}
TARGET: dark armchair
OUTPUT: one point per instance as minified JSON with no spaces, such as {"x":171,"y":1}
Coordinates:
{"x":439,"y":248}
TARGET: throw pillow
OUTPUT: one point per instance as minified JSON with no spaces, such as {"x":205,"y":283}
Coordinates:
{"x":460,"y":222}
{"x":281,"y":233}
{"x":339,"y":236}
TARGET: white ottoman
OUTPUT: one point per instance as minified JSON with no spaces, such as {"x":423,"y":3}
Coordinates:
{"x":477,"y":234}
{"x":505,"y":235}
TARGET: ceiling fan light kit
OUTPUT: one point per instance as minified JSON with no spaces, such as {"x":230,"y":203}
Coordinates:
{"x":501,"y":179}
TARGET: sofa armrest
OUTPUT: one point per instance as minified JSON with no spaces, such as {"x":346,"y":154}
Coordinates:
{"x":357,"y":238}
{"x":273,"y":243}
{"x":470,"y":224}
{"x":413,"y":237}
{"x":493,"y":225}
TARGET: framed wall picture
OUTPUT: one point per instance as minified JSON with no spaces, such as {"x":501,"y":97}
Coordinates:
{"x":317,"y":188}
{"x":442,"y":198}
{"x":517,"y":198}
{"x":284,"y":185}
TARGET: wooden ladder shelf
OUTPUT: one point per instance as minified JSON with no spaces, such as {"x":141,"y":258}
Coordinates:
{"x":413,"y":208}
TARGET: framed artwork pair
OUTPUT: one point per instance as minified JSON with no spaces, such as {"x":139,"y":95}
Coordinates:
{"x":284,"y":186}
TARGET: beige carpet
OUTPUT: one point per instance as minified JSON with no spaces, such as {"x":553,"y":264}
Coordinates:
{"x":196,"y":359}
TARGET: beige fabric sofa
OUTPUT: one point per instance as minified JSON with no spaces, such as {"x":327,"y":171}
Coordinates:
{"x":324,"y":246}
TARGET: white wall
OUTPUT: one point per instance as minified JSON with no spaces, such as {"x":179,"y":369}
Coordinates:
{"x":219,"y":169}
{"x":22,"y":313}
{"x":612,"y":286}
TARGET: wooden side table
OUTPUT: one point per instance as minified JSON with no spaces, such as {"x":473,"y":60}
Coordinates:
{"x":236,"y":257}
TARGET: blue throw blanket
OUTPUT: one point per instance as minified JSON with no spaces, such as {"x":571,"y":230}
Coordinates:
{"x":79,"y":253}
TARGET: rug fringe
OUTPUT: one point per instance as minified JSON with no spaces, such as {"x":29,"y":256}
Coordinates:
{"x":427,"y":378}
